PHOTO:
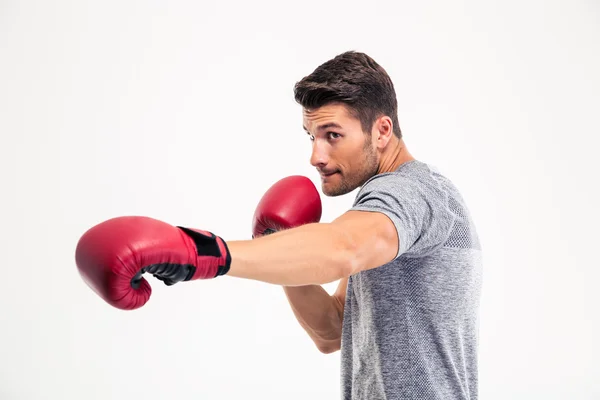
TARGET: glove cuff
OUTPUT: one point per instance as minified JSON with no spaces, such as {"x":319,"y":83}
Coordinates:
{"x":224,"y":269}
{"x":213,"y":257}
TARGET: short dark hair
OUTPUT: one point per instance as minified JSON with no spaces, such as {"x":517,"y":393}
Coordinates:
{"x":355,"y":79}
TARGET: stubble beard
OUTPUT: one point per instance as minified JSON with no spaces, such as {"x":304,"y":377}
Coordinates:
{"x":368,"y":168}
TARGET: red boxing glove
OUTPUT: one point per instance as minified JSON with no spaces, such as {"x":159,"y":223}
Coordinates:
{"x":113,"y":255}
{"x":290,"y":202}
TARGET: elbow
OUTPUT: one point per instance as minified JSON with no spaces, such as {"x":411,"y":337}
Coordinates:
{"x":328,"y":348}
{"x":331,"y":342}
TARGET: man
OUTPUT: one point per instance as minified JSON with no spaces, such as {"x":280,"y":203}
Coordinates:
{"x":406,"y":254}
{"x":407,"y":328}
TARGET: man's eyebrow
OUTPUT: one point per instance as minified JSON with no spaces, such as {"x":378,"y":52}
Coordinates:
{"x":326,"y":126}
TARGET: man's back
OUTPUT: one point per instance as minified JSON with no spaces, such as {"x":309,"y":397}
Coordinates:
{"x":410,"y":326}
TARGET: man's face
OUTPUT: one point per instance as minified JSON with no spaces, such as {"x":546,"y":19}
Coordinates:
{"x":342,"y":153}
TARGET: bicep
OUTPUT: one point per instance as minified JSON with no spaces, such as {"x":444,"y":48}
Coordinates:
{"x":374,"y":238}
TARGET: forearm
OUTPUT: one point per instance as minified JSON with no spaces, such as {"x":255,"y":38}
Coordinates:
{"x":307,"y":255}
{"x":319,"y":314}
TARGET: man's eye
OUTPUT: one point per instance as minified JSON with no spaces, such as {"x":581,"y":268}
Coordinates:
{"x":333,"y":135}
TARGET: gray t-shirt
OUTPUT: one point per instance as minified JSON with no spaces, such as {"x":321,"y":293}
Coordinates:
{"x":410,"y":326}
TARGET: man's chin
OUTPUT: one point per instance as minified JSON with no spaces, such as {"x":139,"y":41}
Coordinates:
{"x":331,"y":190}
{"x":329,"y":193}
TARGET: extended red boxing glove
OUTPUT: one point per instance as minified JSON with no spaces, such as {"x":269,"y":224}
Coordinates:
{"x":113,"y":255}
{"x":290,"y":202}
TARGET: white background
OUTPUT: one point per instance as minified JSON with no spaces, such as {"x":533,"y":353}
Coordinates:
{"x":183,"y":111}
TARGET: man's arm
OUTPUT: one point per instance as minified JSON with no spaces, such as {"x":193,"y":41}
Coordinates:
{"x":317,"y":253}
{"x":320,"y":314}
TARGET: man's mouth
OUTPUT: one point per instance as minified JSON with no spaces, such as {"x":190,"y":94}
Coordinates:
{"x":326,"y":174}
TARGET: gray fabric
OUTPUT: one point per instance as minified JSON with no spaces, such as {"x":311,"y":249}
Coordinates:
{"x":410,"y":326}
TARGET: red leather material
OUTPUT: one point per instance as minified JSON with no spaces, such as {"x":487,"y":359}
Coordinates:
{"x":111,"y":256}
{"x":291,"y":202}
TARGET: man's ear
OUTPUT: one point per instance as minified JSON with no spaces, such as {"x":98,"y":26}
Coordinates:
{"x":383,"y":130}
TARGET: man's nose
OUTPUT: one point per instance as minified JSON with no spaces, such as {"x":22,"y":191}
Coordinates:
{"x":319,"y":155}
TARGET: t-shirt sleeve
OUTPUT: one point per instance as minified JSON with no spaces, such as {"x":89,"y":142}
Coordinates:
{"x":419,"y":211}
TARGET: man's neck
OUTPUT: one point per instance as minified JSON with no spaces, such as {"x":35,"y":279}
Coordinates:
{"x":397,"y":156}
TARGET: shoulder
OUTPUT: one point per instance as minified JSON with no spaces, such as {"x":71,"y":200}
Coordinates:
{"x":416,"y":199}
{"x":412,"y":180}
